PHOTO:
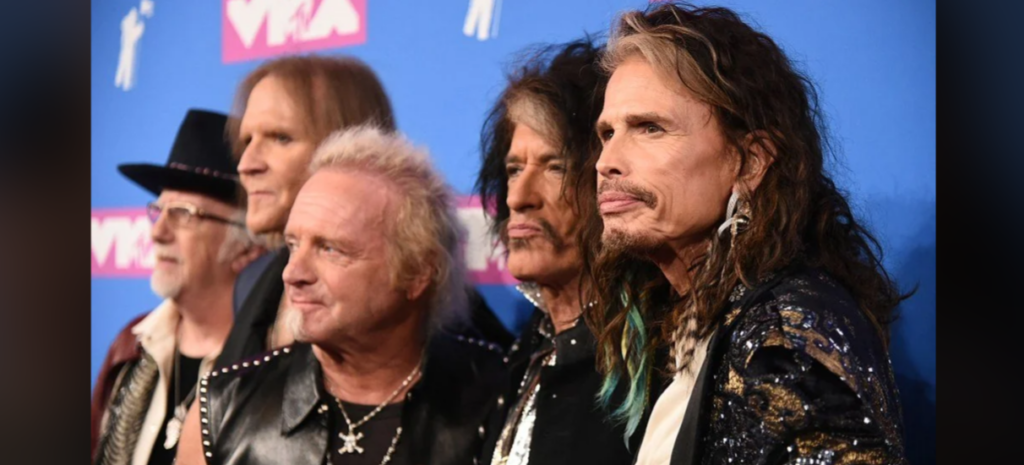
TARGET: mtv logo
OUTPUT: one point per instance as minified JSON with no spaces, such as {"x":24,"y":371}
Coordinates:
{"x":484,"y":256}
{"x":121,"y":245}
{"x":252,"y":29}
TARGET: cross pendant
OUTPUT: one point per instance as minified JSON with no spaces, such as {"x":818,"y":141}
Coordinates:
{"x":351,"y":444}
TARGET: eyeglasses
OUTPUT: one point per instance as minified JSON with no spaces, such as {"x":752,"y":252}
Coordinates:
{"x":184,"y":215}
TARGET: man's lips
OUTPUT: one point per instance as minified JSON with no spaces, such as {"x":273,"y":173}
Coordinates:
{"x":617,"y":202}
{"x":260,"y":193}
{"x":523,"y":230}
{"x":305,"y":303}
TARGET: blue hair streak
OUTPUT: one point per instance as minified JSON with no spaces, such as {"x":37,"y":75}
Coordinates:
{"x":638,"y":368}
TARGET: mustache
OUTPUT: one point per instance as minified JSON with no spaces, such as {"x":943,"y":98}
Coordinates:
{"x":619,"y":185}
{"x":547,"y":231}
{"x":163,"y":251}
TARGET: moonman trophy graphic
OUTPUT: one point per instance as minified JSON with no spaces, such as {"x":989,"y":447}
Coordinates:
{"x":482,"y":19}
{"x":132,"y":28}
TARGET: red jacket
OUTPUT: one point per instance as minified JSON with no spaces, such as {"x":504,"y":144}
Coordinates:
{"x":123,"y":350}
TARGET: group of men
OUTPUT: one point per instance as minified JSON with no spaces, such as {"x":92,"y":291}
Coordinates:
{"x":703,"y":293}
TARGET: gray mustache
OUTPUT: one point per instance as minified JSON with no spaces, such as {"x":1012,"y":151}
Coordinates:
{"x":626,"y":187}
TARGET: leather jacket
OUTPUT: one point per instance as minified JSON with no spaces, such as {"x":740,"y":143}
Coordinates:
{"x":273,"y":409}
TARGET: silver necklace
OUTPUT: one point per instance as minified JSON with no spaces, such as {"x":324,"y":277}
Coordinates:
{"x":173,"y":429}
{"x":352,"y":438}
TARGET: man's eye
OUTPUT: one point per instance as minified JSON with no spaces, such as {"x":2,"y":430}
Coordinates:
{"x":179,"y":213}
{"x":512,"y":170}
{"x":651,"y":128}
{"x":330,"y":249}
{"x":606,"y":135}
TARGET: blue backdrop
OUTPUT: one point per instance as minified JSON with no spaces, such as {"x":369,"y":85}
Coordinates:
{"x":874,"y":62}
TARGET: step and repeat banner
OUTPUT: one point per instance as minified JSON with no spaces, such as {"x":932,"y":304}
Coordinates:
{"x":443,"y":63}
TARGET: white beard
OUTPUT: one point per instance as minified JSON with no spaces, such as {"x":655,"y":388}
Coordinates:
{"x":293,"y":322}
{"x":166,"y":285}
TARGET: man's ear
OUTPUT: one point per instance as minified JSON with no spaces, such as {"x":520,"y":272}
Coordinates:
{"x":246,"y":256}
{"x":761,"y":154}
{"x":418,"y":284}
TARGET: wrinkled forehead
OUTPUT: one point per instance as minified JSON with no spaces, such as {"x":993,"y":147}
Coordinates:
{"x":343,"y":203}
{"x":273,"y":102}
{"x":637,"y":92}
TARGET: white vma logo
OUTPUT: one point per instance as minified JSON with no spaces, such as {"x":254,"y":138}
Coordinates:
{"x":480,"y":247}
{"x":482,"y":19}
{"x":132,"y":28}
{"x":127,"y":237}
{"x":291,"y":20}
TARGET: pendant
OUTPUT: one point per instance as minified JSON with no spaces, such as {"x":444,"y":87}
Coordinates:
{"x":351,"y":442}
{"x":174,"y":427}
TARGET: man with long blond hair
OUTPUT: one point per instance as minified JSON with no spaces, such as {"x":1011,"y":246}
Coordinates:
{"x":283,"y":110}
{"x":373,"y":275}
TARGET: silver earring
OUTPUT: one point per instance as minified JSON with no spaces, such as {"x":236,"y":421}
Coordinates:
{"x":736,"y":213}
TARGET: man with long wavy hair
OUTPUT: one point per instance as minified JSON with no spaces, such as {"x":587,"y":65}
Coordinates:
{"x":724,"y":242}
{"x":540,"y":128}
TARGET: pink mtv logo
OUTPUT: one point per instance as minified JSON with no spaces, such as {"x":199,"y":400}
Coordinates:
{"x":253,"y":29}
{"x":121,"y":246}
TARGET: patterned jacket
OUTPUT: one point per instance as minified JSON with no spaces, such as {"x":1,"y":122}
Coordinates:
{"x":795,"y":374}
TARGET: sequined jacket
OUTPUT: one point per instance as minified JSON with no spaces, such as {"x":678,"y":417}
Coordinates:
{"x":272,"y":409}
{"x":795,"y":374}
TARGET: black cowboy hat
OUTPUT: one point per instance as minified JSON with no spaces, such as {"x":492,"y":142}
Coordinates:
{"x":200,"y":161}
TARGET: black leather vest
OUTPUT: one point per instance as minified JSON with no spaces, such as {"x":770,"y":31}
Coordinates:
{"x":271,"y":409}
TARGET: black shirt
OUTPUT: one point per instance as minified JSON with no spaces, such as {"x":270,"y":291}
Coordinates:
{"x":188,"y":368}
{"x":569,"y":426}
{"x":378,"y":434}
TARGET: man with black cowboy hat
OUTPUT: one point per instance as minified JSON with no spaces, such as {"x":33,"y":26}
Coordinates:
{"x":200,"y":242}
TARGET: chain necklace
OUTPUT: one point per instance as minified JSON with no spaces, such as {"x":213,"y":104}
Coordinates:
{"x":352,"y":438}
{"x":173,"y":431}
